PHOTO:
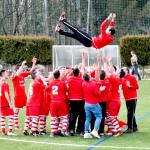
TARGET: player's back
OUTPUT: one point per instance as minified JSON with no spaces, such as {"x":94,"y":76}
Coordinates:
{"x":58,"y":91}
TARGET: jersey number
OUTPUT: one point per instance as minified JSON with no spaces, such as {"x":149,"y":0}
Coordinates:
{"x":55,"y":90}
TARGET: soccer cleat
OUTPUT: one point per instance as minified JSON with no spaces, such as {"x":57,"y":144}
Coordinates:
{"x":95,"y":134}
{"x":42,"y":133}
{"x":25,"y":132}
{"x":62,"y":17}
{"x":135,"y":129}
{"x":65,"y":133}
{"x":33,"y":134}
{"x":3,"y":133}
{"x":82,"y":134}
{"x":129,"y":130}
{"x":87,"y":135}
{"x":11,"y":133}
{"x":118,"y":134}
{"x":58,"y":27}
{"x":71,"y":132}
{"x":101,"y":135}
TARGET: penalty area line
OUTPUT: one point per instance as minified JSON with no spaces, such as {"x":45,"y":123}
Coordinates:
{"x":73,"y":145}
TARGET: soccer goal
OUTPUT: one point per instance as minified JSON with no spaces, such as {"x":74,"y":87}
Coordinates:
{"x":70,"y":55}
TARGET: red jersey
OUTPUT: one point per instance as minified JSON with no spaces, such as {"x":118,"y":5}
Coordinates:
{"x":58,"y":91}
{"x":35,"y":93}
{"x":115,"y":84}
{"x":130,"y":93}
{"x":75,"y":90}
{"x":19,"y":83}
{"x":103,"y":39}
{"x":104,"y":95}
{"x":4,"y":87}
{"x":90,"y":92}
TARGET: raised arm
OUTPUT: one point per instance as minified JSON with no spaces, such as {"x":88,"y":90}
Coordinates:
{"x":105,"y":23}
{"x":112,"y":22}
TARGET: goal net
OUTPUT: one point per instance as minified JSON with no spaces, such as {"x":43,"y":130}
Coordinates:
{"x":70,"y":55}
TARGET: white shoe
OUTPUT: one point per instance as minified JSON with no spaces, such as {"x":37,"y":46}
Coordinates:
{"x":87,"y":135}
{"x":11,"y":133}
{"x":95,"y":134}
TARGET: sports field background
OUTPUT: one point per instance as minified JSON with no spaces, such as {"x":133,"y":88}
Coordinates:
{"x":139,"y":140}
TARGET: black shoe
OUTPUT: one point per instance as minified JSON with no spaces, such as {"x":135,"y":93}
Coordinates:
{"x":135,"y":129}
{"x":42,"y":133}
{"x":25,"y":132}
{"x":78,"y":131}
{"x":129,"y":130}
{"x":33,"y":134}
{"x":59,"y":134}
{"x":37,"y":132}
{"x":71,"y":132}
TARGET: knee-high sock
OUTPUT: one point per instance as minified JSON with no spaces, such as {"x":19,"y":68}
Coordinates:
{"x":16,"y":120}
{"x":10,"y":123}
{"x":54,"y":125}
{"x":35,"y":121}
{"x":60,"y":124}
{"x":3,"y":128}
{"x":27,"y":122}
{"x":109,"y":123}
{"x":116,"y":124}
{"x":65,"y":123}
{"x":42,"y":122}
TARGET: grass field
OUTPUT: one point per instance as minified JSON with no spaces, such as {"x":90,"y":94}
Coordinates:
{"x":138,"y":140}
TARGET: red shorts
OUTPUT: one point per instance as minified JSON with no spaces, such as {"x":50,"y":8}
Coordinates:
{"x":58,"y":109}
{"x":33,"y":111}
{"x":6,"y":111}
{"x":113,"y":107}
{"x":20,"y":101}
{"x":44,"y":110}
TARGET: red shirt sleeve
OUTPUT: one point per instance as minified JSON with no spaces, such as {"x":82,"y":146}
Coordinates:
{"x":112,"y":24}
{"x":104,"y":25}
{"x":134,"y":83}
{"x":25,"y":74}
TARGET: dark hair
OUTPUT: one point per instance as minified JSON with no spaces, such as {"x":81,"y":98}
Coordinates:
{"x":17,"y":66}
{"x":1,"y":72}
{"x":33,"y":74}
{"x":102,"y":75}
{"x":115,"y":68}
{"x":86,"y":77}
{"x":56,"y":74}
{"x":76,"y":72}
{"x":112,"y":31}
{"x":122,"y":73}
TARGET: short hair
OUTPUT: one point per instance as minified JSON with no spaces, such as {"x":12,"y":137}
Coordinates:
{"x":86,"y":77}
{"x":1,"y":72}
{"x":56,"y":74}
{"x":17,"y":66}
{"x":33,"y":74}
{"x":112,"y":31}
{"x":102,"y":75}
{"x":76,"y":72}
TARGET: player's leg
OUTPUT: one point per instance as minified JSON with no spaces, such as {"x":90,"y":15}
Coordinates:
{"x":96,"y":110}
{"x":42,"y":122}
{"x":10,"y":125}
{"x":16,"y":122}
{"x":101,"y":129}
{"x":135,"y":128}
{"x":3,"y":125}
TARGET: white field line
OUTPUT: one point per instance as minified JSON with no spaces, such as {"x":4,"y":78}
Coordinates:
{"x":72,"y":145}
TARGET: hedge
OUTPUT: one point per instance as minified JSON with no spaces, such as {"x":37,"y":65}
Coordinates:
{"x":15,"y":49}
{"x":138,"y":43}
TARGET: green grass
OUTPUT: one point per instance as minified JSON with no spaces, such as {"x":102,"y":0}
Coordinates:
{"x":137,"y":140}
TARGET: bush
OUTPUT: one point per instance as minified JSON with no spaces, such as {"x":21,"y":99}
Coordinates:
{"x":15,"y":49}
{"x":138,"y":43}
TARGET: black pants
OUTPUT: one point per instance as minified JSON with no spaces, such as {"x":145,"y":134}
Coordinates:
{"x":135,"y":70}
{"x":131,"y":107}
{"x":77,"y":34}
{"x":77,"y":111}
{"x":102,"y":125}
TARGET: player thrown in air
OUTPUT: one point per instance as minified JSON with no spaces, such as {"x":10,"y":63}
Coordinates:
{"x":104,"y":38}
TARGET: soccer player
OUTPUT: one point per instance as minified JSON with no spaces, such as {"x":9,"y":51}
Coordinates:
{"x":114,"y":104}
{"x":6,"y":108}
{"x":35,"y":96}
{"x":91,"y":92}
{"x":130,"y":87}
{"x":106,"y":37}
{"x":59,"y":108}
{"x":104,"y":97}
{"x":75,"y":93}
{"x":44,"y":107}
{"x":18,"y":79}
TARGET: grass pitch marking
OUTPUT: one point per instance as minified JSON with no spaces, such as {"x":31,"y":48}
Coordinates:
{"x":72,"y":145}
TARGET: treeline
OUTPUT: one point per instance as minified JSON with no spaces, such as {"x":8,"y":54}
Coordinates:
{"x":39,"y":17}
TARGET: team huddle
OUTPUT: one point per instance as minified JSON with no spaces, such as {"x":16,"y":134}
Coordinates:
{"x":79,"y":100}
